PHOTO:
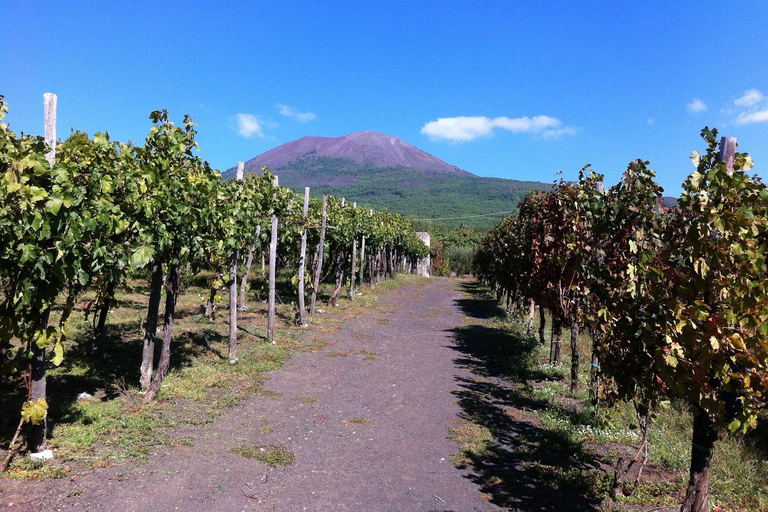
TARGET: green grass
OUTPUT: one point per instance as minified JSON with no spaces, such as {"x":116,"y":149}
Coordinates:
{"x":272,"y":454}
{"x":357,"y":421}
{"x":369,"y":356}
{"x":560,"y":444}
{"x":474,"y":442}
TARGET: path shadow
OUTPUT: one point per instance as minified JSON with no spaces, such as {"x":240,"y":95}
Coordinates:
{"x":523,"y":466}
{"x":479,"y":303}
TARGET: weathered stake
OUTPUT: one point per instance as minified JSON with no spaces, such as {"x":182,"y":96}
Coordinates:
{"x":233,"y":289}
{"x":244,"y":281}
{"x":36,"y":441}
{"x":272,"y":263}
{"x":362,"y":261}
{"x":351,"y":293}
{"x":728,"y":152}
{"x":50,"y":102}
{"x":302,"y":261}
{"x":319,"y":268}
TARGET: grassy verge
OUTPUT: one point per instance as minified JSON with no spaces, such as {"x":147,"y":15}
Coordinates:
{"x":112,"y":425}
{"x":534,"y":446}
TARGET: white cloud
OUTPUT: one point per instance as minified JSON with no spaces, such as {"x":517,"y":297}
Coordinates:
{"x":556,"y":133}
{"x":458,"y":128}
{"x":650,"y":121}
{"x":287,"y":111}
{"x":697,"y":105}
{"x":465,"y":128}
{"x":756,"y":110}
{"x":525,"y":124}
{"x":751,"y":97}
{"x":249,"y":126}
{"x":759,"y":116}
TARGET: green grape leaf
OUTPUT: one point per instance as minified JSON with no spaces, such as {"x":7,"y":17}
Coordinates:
{"x":34,"y":411}
{"x":58,"y":353}
{"x":141,"y":256}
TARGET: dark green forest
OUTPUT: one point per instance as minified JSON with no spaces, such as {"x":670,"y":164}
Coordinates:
{"x":414,"y":193}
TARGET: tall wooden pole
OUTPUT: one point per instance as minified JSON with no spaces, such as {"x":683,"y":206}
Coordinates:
{"x":38,"y":366}
{"x":272,"y":263}
{"x":242,"y":306}
{"x":728,"y":152}
{"x":362,"y":260}
{"x":233,"y":288}
{"x":319,"y":268}
{"x":352,"y":274}
{"x":50,"y":102}
{"x":302,"y":262}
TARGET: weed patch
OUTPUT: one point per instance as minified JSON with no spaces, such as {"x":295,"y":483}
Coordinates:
{"x":272,"y":454}
{"x":356,"y":421}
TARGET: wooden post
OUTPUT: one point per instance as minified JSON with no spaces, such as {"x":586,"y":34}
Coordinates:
{"x":352,"y":274}
{"x":371,"y":269}
{"x":38,"y":366}
{"x":302,"y":262}
{"x":531,"y":314}
{"x":233,"y":288}
{"x":319,"y":268}
{"x":244,"y":282}
{"x":272,"y":263}
{"x":728,"y":152}
{"x":50,"y":102}
{"x":362,"y":260}
{"x":574,"y":356}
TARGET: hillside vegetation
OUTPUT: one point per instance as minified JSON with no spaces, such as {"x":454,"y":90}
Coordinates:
{"x":414,"y":193}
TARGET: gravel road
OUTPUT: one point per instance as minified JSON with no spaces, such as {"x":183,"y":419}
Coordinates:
{"x":367,"y":418}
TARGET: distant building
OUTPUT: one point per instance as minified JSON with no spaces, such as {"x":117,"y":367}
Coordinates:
{"x":424,"y":264}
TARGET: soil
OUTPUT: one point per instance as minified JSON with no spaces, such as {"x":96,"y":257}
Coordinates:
{"x":367,"y":418}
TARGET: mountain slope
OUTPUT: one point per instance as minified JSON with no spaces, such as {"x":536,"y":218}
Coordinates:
{"x":368,"y":149}
{"x":380,"y":171}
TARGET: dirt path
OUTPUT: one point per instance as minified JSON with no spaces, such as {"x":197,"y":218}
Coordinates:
{"x":366,"y":417}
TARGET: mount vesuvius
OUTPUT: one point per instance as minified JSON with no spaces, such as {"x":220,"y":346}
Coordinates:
{"x":381,"y":171}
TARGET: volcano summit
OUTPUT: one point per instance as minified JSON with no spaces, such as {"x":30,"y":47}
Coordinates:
{"x":383,"y":172}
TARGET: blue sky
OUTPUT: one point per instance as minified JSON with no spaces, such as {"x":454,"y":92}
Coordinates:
{"x":518,"y":90}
